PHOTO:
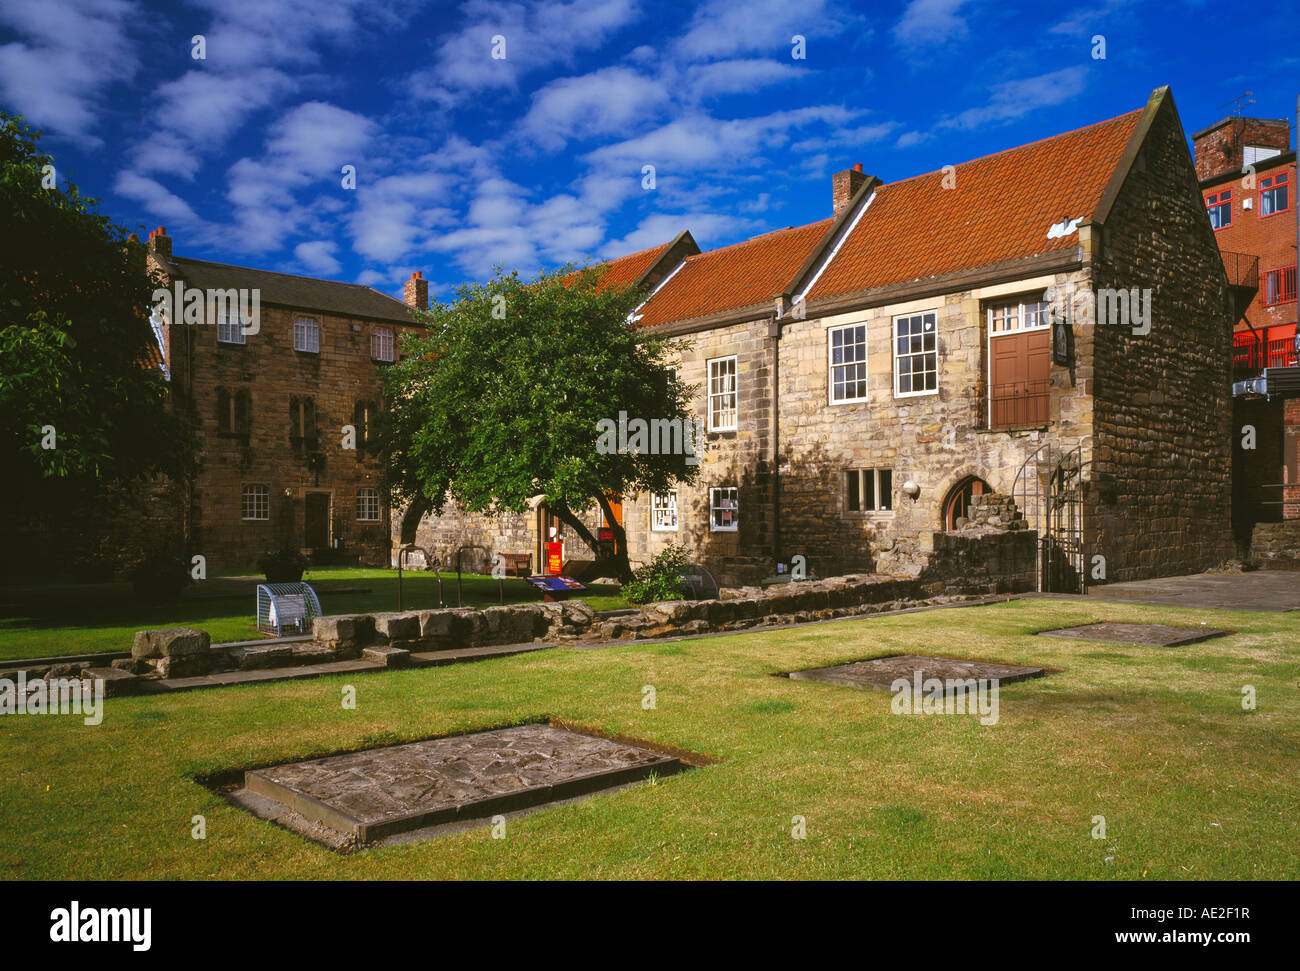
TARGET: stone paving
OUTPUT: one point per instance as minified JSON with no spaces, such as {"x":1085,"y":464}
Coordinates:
{"x":1254,"y":590}
{"x":880,"y":673}
{"x":1149,"y":635}
{"x":380,"y":792}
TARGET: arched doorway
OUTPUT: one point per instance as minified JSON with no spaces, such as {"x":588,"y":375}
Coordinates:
{"x":959,"y":497}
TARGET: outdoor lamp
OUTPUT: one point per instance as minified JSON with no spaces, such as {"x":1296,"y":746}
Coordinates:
{"x":911,"y":489}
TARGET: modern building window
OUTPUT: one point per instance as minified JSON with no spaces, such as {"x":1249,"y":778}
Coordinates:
{"x":1020,"y":363}
{"x":724,"y":510}
{"x":1273,"y":195}
{"x":847,"y":355}
{"x":368,"y":505}
{"x":722,"y":395}
{"x":255,"y":502}
{"x":1279,"y":286}
{"x":868,"y":490}
{"x":381,"y":344}
{"x":306,"y":335}
{"x":229,"y":328}
{"x":1219,"y":206}
{"x":916,"y":357}
{"x":663,"y":511}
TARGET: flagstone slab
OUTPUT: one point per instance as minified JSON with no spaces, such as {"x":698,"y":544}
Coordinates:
{"x":881,"y":673}
{"x":1148,"y":635}
{"x":378,"y":792}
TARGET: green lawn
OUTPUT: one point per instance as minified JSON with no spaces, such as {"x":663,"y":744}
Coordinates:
{"x":1154,"y":739}
{"x":57,"y":620}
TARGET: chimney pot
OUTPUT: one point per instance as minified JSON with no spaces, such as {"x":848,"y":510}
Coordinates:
{"x":844,"y":185}
{"x":160,"y":243}
{"x":416,"y":291}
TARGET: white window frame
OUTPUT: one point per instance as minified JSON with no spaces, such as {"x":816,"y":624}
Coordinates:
{"x":231,"y":326}
{"x":733,"y":393}
{"x":306,"y":335}
{"x":378,"y":337}
{"x":876,"y":491}
{"x":367,"y":495}
{"x":934,"y":335}
{"x":831,"y":365}
{"x":716,"y":507}
{"x":256,"y":498}
{"x":663,"y":505}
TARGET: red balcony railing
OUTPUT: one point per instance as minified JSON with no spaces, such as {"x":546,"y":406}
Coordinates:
{"x":1250,"y":354}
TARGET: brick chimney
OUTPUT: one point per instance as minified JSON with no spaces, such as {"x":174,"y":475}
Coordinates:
{"x":416,"y":292}
{"x":844,"y":184}
{"x":161,"y":243}
{"x":1223,"y":147}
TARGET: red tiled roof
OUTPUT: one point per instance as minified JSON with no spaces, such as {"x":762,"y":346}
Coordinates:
{"x":742,"y":275}
{"x":1000,"y":209}
{"x":626,"y":270}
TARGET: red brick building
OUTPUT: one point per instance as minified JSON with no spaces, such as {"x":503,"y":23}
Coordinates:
{"x":282,"y":407}
{"x":1247,"y":172}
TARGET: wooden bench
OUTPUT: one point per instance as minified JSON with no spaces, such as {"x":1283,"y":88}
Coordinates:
{"x":518,"y":564}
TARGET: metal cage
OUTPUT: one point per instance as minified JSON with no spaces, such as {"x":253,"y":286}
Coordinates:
{"x":700,"y":581}
{"x":286,"y":608}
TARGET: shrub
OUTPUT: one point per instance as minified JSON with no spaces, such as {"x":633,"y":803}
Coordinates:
{"x":660,"y":579}
{"x":286,"y":566}
{"x":160,"y":577}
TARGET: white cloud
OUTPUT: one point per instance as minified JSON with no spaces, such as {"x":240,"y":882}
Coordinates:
{"x":536,"y":36}
{"x":737,"y":76}
{"x":607,"y":101}
{"x":725,"y":28}
{"x":68,"y":53}
{"x":1015,"y":99}
{"x":155,"y":198}
{"x":318,"y":256}
{"x":930,"y":22}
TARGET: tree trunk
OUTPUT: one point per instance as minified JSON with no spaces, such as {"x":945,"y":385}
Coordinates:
{"x":621,"y":564}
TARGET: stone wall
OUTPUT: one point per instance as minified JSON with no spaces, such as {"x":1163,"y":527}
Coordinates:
{"x":1159,"y":502}
{"x":1276,"y":546}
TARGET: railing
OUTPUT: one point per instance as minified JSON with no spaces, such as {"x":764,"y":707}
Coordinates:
{"x":1242,"y":269}
{"x":1020,"y":404}
{"x":1279,"y":286}
{"x":1252,"y":355}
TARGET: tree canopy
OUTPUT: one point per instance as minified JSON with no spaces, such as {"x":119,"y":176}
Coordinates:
{"x":506,"y":394}
{"x":75,"y":344}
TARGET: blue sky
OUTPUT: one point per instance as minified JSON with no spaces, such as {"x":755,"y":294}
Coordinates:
{"x":536,"y":159}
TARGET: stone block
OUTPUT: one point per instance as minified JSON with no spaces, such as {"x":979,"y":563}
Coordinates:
{"x":397,"y":626}
{"x":170,"y":642}
{"x":117,"y":682}
{"x":344,"y":629}
{"x":389,"y":657}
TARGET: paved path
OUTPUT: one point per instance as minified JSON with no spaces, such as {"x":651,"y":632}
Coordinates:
{"x":1257,"y":590}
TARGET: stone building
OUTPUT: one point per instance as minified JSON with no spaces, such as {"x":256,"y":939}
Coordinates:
{"x":281,"y":406}
{"x":862,"y":379}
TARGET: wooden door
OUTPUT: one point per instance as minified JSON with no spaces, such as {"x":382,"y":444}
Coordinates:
{"x":316,"y":521}
{"x":1020,"y":367}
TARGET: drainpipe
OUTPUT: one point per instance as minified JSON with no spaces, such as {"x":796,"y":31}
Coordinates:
{"x":774,"y":334}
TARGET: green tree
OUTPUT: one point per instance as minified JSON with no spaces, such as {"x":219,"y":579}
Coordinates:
{"x":504,"y":396}
{"x":75,"y":346}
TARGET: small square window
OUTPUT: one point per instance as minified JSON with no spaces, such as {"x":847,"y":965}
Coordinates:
{"x":1219,"y":206}
{"x":722,"y":395}
{"x":1273,"y":195}
{"x":663,"y":511}
{"x":847,"y":348}
{"x":368,"y":505}
{"x":255,"y":502}
{"x":229,"y":329}
{"x":724,"y":510}
{"x":868,"y":490}
{"x":381,"y":345}
{"x":306,"y":335}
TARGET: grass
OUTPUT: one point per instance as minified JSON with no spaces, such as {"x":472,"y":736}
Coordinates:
{"x":1154,"y":739}
{"x":58,"y":620}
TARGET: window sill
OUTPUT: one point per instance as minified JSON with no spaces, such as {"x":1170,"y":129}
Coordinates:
{"x":1014,"y":428}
